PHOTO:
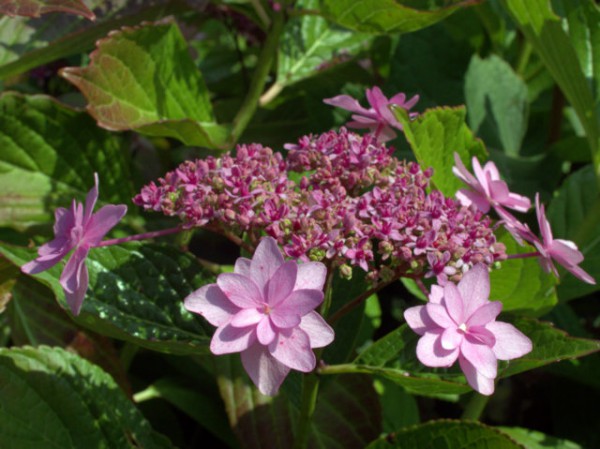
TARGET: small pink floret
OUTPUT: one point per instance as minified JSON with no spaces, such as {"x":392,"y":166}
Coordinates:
{"x":265,"y":310}
{"x":459,"y":323}
{"x":486,"y":188}
{"x":378,"y":118}
{"x":79,"y":229}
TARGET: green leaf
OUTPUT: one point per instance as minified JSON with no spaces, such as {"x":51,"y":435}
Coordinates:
{"x":497,"y":97}
{"x":435,"y":136}
{"x":308,"y":43}
{"x":136,"y":294}
{"x":35,"y":8}
{"x":386,"y":16}
{"x":550,"y":345}
{"x":447,"y":434}
{"x":347,"y":415}
{"x":543,"y":29}
{"x":143,"y":79}
{"x":521,"y":284}
{"x":399,"y":409}
{"x":532,"y":439}
{"x":49,"y":155}
{"x":51,"y":398}
{"x":574,"y":215}
{"x":205,"y":410}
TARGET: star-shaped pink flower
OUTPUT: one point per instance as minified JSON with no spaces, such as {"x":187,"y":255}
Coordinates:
{"x":459,"y":322}
{"x":487,"y":189}
{"x":265,"y":310}
{"x":76,"y":229}
{"x":378,"y":118}
{"x":565,"y":252}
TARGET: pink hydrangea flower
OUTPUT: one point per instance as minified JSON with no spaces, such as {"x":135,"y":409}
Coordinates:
{"x":487,"y":189}
{"x":565,"y":252}
{"x":76,"y":229}
{"x":265,"y":310}
{"x":378,"y":118}
{"x":459,"y":322}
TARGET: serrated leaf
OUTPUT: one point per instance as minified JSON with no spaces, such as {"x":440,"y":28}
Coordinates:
{"x":49,"y":156}
{"x":435,"y":136}
{"x":53,"y":399}
{"x":143,"y":79}
{"x":386,"y":16}
{"x":308,"y":43}
{"x":35,"y":8}
{"x":543,"y":29}
{"x":573,"y":214}
{"x":521,"y":284}
{"x":550,"y":345}
{"x":136,"y":294}
{"x":447,"y":434}
{"x":347,"y":415}
{"x":497,"y":97}
{"x":532,"y":439}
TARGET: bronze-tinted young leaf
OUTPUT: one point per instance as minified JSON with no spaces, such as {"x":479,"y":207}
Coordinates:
{"x":35,"y":8}
{"x":143,"y":79}
{"x":387,"y":16}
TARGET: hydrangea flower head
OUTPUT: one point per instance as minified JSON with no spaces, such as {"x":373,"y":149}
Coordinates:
{"x":459,"y":322}
{"x":487,"y":189}
{"x":78,"y":229}
{"x":265,"y":310}
{"x":378,"y":118}
{"x":565,"y":252}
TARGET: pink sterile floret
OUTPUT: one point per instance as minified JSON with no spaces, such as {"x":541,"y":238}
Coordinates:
{"x":76,"y":229}
{"x":565,"y":252}
{"x":459,"y":322}
{"x":378,"y":118}
{"x":488,"y":190}
{"x":265,"y":310}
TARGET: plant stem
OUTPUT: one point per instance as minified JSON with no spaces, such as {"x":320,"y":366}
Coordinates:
{"x":475,"y":406}
{"x":328,"y":292}
{"x":144,"y":236}
{"x":261,"y":13}
{"x":310,"y":390}
{"x":523,"y":255}
{"x":259,"y":79}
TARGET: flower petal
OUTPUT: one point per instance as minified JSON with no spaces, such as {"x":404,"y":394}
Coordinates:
{"x":346,"y":102}
{"x":242,"y":266}
{"x":451,"y":338}
{"x":311,"y":275}
{"x":284,"y":319}
{"x":454,"y":303}
{"x":418,"y":320}
{"x":264,"y":331}
{"x":102,"y":222}
{"x":292,"y":348}
{"x":436,"y":294}
{"x":301,"y":302}
{"x":319,"y":332}
{"x":439,"y":315}
{"x":228,"y":339}
{"x":511,"y":343}
{"x":477,"y":381}
{"x":474,"y":288}
{"x":246,"y":317}
{"x":468,"y":197}
{"x":210,"y":302}
{"x":90,"y":202}
{"x":485,"y":314}
{"x":264,"y":369}
{"x":431,"y":353}
{"x":240,"y":290}
{"x":74,"y":279}
{"x":461,"y":172}
{"x":481,"y":335}
{"x":281,"y":284}
{"x":481,"y":356}
{"x":266,"y":260}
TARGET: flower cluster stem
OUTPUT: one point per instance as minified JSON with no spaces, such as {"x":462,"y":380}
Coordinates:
{"x":144,"y":236}
{"x":259,"y":79}
{"x":475,"y":406}
{"x":310,"y":390}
